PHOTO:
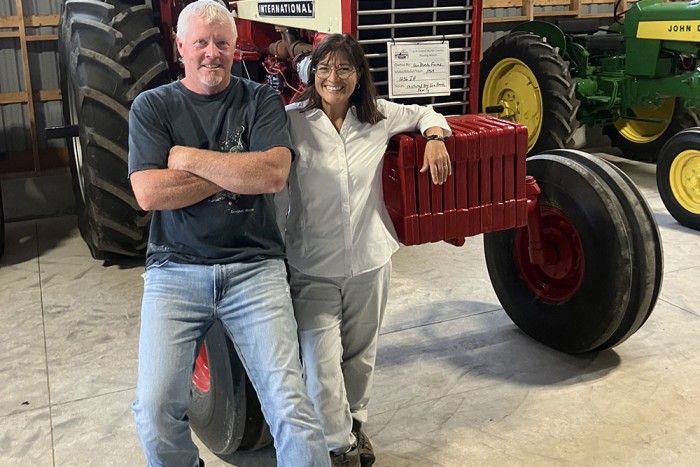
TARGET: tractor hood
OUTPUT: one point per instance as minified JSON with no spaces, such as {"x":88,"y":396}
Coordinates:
{"x":324,"y":16}
{"x":654,"y":19}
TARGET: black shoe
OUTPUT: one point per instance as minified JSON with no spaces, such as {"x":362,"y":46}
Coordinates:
{"x":364,"y":446}
{"x":348,"y":459}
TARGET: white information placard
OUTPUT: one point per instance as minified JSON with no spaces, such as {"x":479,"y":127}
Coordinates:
{"x":418,"y":69}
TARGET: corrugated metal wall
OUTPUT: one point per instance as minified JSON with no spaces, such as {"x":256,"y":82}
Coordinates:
{"x":43,"y":66}
{"x":602,"y":13}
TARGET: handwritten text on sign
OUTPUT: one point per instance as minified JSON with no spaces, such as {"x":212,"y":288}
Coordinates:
{"x":417,"y":70}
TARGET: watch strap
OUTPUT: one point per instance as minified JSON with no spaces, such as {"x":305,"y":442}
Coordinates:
{"x":435,"y":137}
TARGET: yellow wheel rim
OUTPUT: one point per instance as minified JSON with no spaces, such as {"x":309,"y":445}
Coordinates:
{"x":684,"y":177}
{"x":645,"y":132}
{"x":512,"y":85}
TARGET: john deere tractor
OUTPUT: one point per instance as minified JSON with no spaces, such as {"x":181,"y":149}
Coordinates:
{"x":638,"y":78}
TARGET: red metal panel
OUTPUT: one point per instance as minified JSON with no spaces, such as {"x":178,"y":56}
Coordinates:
{"x":514,"y":171}
{"x":432,"y":223}
{"x":520,"y":174}
{"x":507,"y":185}
{"x":493,"y":139}
{"x":438,"y":211}
{"x":520,"y":169}
{"x":449,"y":193}
{"x":425,"y":217}
{"x":475,"y":56}
{"x":466,"y":181}
{"x":485,"y":193}
{"x":480,"y":176}
{"x":349,"y":17}
{"x":473,"y":175}
{"x":399,"y":185}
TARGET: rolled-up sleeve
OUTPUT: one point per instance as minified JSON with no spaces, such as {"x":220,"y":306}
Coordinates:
{"x":401,"y":118}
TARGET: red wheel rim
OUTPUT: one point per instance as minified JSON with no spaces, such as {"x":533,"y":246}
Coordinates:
{"x":562,"y":275}
{"x":200,"y":377}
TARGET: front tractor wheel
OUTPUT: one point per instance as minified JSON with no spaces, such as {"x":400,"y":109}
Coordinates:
{"x":225,"y":412}
{"x":678,"y":177}
{"x":642,"y":138}
{"x":603,"y":270}
{"x":525,"y":80}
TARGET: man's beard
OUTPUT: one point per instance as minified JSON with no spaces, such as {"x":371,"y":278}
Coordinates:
{"x":212,"y":80}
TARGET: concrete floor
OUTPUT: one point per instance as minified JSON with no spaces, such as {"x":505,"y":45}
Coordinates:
{"x":457,"y":383}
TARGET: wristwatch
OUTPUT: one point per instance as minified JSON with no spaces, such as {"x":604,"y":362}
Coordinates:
{"x":433,"y":137}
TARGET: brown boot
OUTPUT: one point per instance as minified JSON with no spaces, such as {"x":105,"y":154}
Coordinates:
{"x":364,"y":447}
{"x":348,"y":459}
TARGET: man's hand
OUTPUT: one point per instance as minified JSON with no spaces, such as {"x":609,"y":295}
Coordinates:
{"x":179,"y":157}
{"x":437,"y":159}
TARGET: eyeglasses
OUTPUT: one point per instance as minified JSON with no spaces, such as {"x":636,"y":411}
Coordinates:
{"x":342,"y":71}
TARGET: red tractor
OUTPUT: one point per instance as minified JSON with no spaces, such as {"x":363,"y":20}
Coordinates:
{"x":572,"y":248}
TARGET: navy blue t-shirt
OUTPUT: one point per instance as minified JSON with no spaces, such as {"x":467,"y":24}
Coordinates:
{"x":227,"y":227}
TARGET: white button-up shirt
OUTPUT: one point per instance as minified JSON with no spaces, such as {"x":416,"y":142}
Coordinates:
{"x":338,"y":225}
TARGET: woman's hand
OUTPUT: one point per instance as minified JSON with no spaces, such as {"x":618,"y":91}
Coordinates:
{"x":437,"y":159}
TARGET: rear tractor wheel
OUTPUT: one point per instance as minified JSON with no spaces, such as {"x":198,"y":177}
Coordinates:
{"x":678,"y":177}
{"x":525,"y":80}
{"x":109,"y":52}
{"x":643,"y":139}
{"x":603,"y":267}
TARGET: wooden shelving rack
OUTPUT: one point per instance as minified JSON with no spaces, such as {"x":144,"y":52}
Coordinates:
{"x":529,"y":12}
{"x":19,"y":26}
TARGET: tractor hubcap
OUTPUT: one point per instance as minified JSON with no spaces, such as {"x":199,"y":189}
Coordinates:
{"x":512,"y":85}
{"x":685,"y":180}
{"x":201,"y":376}
{"x":559,"y":279}
{"x":641,"y":131}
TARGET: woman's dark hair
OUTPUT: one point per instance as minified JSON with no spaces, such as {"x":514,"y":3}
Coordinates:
{"x":363,"y":98}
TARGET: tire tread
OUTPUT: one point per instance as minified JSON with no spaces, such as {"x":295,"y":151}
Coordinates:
{"x":109,"y":53}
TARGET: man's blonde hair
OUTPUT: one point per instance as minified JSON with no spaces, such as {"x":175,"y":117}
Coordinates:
{"x":211,"y":10}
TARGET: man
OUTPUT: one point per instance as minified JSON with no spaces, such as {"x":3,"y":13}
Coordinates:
{"x":205,"y":154}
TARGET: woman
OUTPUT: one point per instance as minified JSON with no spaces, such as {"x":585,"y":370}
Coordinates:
{"x":339,"y":235}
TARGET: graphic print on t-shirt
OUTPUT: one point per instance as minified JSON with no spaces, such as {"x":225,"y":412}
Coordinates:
{"x":233,"y":202}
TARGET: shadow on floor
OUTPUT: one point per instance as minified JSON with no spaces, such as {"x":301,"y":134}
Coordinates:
{"x":23,"y":241}
{"x":491,"y":346}
{"x":30,"y":239}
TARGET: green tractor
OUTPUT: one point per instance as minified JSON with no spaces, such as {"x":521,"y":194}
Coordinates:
{"x":638,"y":79}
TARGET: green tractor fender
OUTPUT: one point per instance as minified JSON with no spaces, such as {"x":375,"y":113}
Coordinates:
{"x":549,"y":31}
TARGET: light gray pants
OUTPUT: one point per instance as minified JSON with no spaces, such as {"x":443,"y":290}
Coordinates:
{"x":338,"y":322}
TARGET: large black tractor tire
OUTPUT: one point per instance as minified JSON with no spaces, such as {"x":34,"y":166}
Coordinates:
{"x":524,"y":79}
{"x":225,"y":412}
{"x":604,"y":268}
{"x":678,"y":177}
{"x":109,"y":52}
{"x":647,"y":272}
{"x":642,"y":141}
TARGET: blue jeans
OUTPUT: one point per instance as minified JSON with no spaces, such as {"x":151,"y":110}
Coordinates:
{"x":180,"y":303}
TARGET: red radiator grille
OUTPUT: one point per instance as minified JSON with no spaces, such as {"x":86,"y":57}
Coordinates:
{"x":485,"y":193}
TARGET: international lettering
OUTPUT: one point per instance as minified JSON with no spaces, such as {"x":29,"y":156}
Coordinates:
{"x":304,"y":8}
